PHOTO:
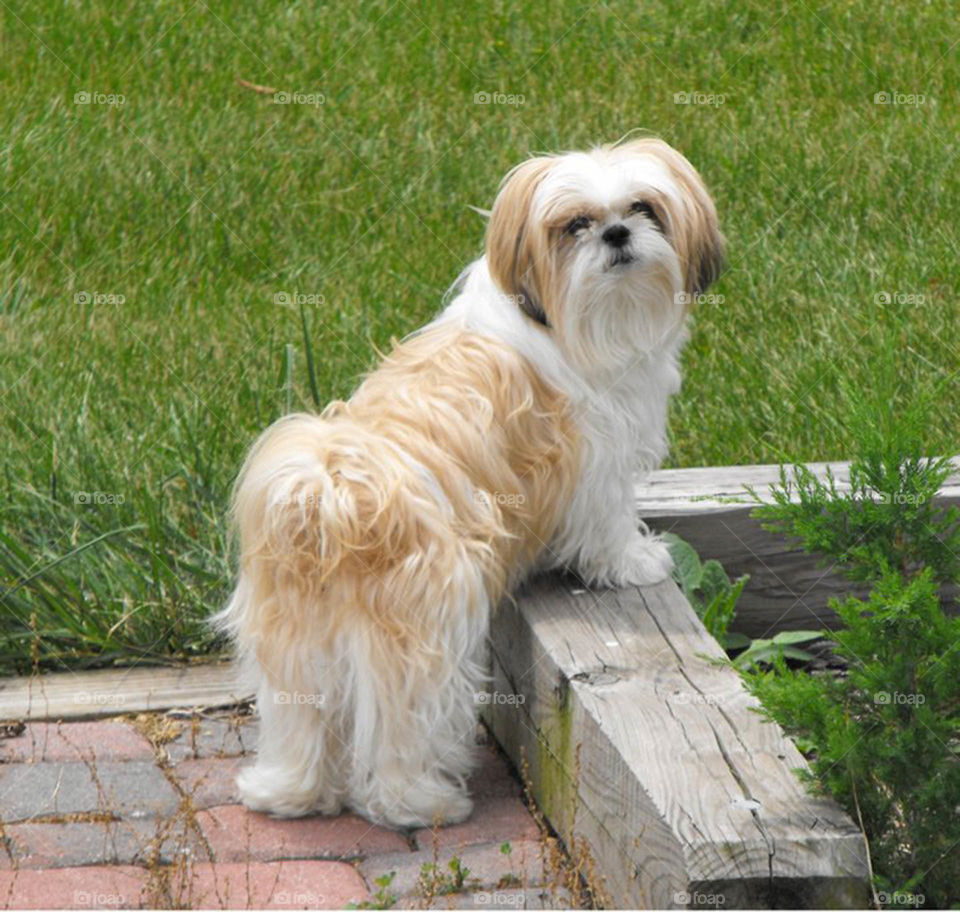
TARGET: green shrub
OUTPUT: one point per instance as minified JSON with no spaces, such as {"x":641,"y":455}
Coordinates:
{"x":883,"y":739}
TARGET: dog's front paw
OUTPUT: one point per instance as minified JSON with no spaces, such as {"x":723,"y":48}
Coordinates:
{"x":644,"y":561}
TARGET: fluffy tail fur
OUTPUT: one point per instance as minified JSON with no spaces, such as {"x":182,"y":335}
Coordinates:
{"x":361,"y":613}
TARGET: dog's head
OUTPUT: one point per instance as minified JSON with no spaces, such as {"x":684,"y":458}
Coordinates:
{"x":607,"y":249}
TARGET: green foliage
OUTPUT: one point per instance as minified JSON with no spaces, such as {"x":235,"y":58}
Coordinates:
{"x":884,"y":739}
{"x":706,"y":586}
{"x":435,"y":882}
{"x":382,"y":898}
{"x":783,"y":644}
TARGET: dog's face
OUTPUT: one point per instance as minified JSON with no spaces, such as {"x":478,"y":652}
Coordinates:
{"x":607,"y":249}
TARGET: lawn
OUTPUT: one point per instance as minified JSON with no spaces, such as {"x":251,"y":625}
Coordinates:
{"x":160,"y":241}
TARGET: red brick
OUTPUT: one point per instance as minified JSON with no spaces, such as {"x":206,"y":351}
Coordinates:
{"x":210,"y":781}
{"x":275,"y":885}
{"x":488,"y":866}
{"x":235,"y":834}
{"x":92,"y":887}
{"x":495,"y":819}
{"x":75,"y":741}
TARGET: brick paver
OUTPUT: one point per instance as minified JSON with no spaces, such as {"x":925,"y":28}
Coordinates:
{"x":95,"y":816}
{"x":235,"y":833}
{"x":200,"y":738}
{"x":49,"y":741}
{"x":210,"y":781}
{"x":136,"y":788}
{"x":98,"y":887}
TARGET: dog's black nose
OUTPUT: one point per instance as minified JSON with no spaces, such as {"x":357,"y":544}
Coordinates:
{"x":616,"y":235}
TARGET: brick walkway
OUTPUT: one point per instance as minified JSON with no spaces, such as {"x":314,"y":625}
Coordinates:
{"x":134,"y":813}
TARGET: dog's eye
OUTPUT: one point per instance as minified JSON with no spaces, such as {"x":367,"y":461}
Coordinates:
{"x":577,"y":224}
{"x":646,"y":210}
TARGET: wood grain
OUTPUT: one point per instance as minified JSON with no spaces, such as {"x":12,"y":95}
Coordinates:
{"x":643,"y":749}
{"x":109,"y":691}
{"x":788,"y":590}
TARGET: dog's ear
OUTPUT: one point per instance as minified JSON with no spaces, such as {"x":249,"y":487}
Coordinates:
{"x":516,"y":250}
{"x":690,"y":219}
{"x":706,"y":247}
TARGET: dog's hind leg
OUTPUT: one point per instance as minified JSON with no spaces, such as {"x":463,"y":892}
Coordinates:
{"x":299,"y":767}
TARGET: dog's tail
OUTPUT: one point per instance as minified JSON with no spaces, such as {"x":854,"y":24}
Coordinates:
{"x":335,"y":523}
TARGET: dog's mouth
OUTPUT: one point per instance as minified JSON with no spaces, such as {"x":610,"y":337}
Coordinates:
{"x":621,"y":258}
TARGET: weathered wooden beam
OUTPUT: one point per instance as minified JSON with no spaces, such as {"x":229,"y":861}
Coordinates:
{"x":646,"y":753}
{"x":710,"y":508}
{"x":109,"y":691}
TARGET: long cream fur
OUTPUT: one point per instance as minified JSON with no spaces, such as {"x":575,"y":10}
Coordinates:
{"x":376,"y":538}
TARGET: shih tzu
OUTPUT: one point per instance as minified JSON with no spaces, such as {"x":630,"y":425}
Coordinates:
{"x":378,"y":537}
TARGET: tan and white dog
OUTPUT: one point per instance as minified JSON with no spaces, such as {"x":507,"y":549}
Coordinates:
{"x":377,"y":538}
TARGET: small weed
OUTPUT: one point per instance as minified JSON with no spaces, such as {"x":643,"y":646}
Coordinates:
{"x":382,"y":898}
{"x":436,"y":882}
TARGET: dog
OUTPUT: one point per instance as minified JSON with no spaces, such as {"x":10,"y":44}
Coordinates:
{"x":377,"y":537}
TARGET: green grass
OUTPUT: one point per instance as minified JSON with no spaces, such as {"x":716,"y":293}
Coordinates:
{"x":199,"y":202}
